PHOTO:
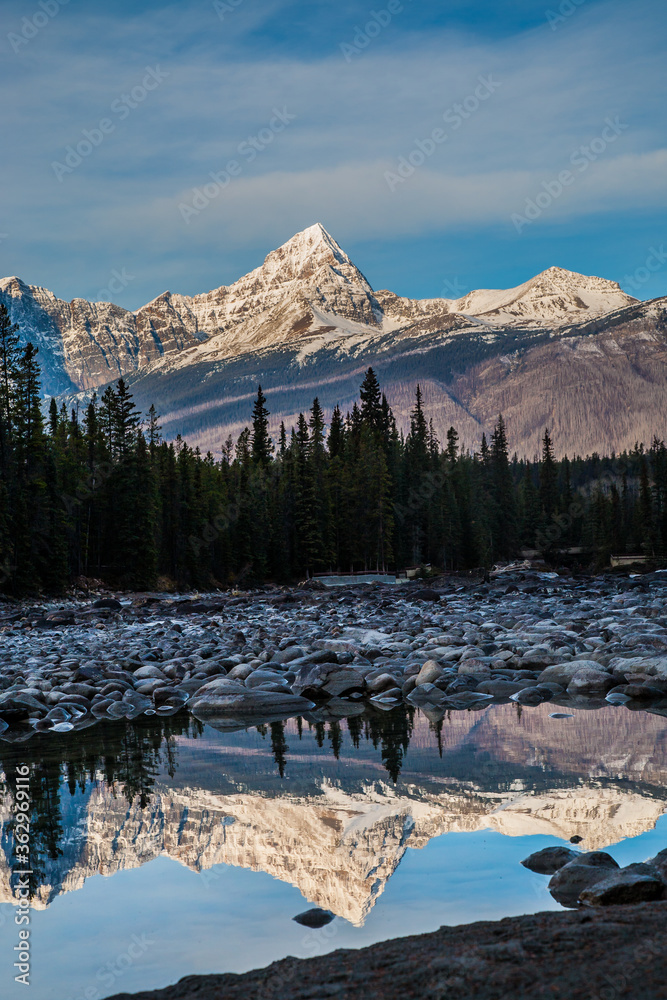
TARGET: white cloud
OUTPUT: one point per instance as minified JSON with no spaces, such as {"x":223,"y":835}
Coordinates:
{"x":354,"y":122}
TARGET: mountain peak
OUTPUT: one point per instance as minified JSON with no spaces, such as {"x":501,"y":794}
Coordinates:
{"x":562,"y":277}
{"x":313,"y":244}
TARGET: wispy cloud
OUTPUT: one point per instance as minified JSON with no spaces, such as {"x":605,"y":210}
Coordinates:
{"x":352,"y":123}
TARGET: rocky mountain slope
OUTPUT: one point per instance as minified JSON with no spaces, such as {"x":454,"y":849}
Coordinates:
{"x":563,"y":349}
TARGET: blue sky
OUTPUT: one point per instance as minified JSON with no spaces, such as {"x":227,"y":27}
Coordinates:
{"x":352,"y":108}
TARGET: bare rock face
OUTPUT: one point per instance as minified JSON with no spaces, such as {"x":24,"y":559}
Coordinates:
{"x":297,"y":289}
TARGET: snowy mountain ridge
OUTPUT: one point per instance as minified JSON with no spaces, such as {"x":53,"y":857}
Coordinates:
{"x":306,"y":295}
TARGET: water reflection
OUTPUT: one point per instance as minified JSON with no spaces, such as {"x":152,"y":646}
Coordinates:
{"x":394,"y":822}
{"x":332,"y":805}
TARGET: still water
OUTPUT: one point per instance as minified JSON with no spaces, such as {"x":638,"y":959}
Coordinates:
{"x":161,"y":849}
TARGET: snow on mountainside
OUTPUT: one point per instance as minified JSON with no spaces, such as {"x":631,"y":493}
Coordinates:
{"x":306,"y":293}
{"x":554,"y":297}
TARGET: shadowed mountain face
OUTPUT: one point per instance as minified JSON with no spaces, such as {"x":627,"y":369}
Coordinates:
{"x":335,"y":827}
{"x":563,"y":349}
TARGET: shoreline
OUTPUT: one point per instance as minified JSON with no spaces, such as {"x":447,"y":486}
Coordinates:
{"x":609,"y":953}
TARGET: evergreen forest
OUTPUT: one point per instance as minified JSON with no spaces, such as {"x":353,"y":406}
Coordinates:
{"x":100,"y":494}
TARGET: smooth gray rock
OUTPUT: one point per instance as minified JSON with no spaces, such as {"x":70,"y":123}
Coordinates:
{"x":635,"y":884}
{"x":314,"y":918}
{"x":429,"y":672}
{"x":549,"y":860}
{"x":327,"y":679}
{"x":570,"y":881}
{"x":590,"y":680}
{"x":249,"y":702}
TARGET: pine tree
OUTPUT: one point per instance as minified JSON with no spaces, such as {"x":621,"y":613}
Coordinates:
{"x":126,"y":420}
{"x":9,"y":367}
{"x":548,"y":480}
{"x":371,"y":403}
{"x":262,"y":446}
{"x":452,"y":447}
{"x":336,"y":434}
{"x":153,"y":430}
{"x":503,"y":513}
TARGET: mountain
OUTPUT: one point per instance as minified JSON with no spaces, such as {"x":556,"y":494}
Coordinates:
{"x":562,"y":350}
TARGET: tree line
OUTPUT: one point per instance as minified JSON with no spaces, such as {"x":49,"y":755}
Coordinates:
{"x":100,"y":494}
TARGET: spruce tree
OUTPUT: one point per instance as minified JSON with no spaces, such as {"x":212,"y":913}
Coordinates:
{"x":371,"y":403}
{"x":262,"y":446}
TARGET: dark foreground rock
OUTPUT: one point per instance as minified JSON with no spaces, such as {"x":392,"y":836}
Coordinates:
{"x":619,"y":952}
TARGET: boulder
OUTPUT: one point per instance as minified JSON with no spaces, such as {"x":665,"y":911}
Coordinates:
{"x":148,"y":673}
{"x":624,"y":667}
{"x":529,"y":696}
{"x":468,"y":699}
{"x":429,"y":673}
{"x":562,"y":673}
{"x":584,"y":871}
{"x":473,"y":665}
{"x":20,"y":706}
{"x":314,"y":918}
{"x":260,"y":677}
{"x":329,"y":680}
{"x":635,"y":884}
{"x":219,"y":685}
{"x":426,"y":694}
{"x":425,"y":594}
{"x":109,"y":603}
{"x":501,"y":688}
{"x":381,"y":682}
{"x":550,"y":860}
{"x":248,"y":703}
{"x":590,"y":680}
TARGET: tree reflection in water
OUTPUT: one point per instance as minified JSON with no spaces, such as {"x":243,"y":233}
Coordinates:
{"x":129,"y":757}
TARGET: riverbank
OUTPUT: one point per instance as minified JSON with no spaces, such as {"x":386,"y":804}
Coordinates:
{"x":241,"y":659}
{"x":616,"y":953}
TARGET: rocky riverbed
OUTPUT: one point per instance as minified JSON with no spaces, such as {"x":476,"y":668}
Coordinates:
{"x":611,"y":954}
{"x":239,"y":659}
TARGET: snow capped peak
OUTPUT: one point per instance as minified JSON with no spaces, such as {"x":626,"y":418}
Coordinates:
{"x":305,"y":253}
{"x":7,"y":284}
{"x":307,"y":292}
{"x":563,"y":278}
{"x":553,"y":297}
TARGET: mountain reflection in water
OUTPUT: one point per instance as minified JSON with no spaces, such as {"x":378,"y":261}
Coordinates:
{"x":328,"y":806}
